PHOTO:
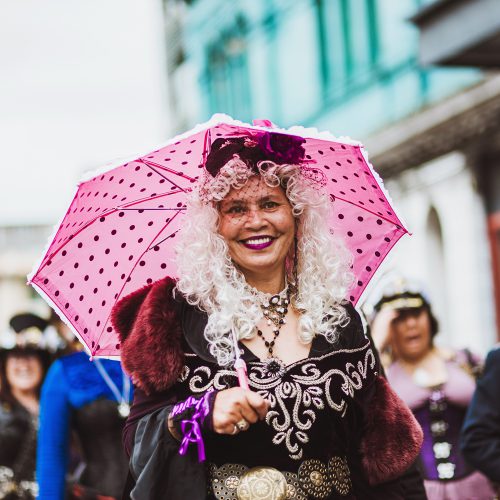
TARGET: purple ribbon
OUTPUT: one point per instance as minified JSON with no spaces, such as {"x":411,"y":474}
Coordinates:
{"x":192,"y":434}
{"x":191,"y":428}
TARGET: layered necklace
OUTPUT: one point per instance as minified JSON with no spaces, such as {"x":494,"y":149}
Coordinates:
{"x":274,"y":310}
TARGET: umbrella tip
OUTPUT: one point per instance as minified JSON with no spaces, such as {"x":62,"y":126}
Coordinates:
{"x":264,"y":123}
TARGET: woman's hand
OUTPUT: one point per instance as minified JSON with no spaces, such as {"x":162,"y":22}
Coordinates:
{"x":234,"y":406}
{"x":381,"y":328}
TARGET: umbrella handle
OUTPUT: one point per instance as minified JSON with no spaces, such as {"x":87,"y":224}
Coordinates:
{"x":241,"y":369}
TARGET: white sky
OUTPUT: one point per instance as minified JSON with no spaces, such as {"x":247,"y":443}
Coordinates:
{"x":82,"y":82}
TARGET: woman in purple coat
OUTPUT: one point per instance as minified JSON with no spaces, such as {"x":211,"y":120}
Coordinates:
{"x":437,"y":384}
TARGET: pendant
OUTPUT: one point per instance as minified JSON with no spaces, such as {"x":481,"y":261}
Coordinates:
{"x":274,"y":367}
{"x":124,"y":410}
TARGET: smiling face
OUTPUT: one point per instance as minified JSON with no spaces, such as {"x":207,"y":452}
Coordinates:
{"x":258,"y":226}
{"x":412,"y":333}
{"x":24,"y":372}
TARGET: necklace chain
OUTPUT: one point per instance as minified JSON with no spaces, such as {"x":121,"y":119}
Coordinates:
{"x":274,"y":309}
{"x":123,"y":398}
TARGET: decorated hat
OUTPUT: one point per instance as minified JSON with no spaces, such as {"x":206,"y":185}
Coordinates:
{"x":27,"y":332}
{"x":397,"y":292}
{"x":403,"y":294}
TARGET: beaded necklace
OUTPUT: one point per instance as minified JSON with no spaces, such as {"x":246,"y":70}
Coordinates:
{"x":274,"y":310}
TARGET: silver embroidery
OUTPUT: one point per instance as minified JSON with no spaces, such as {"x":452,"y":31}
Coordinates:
{"x":202,"y":379}
{"x":306,"y":392}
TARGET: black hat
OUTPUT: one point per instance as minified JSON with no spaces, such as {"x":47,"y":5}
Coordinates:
{"x":23,"y":321}
{"x":28,"y":329}
{"x":28,"y":332}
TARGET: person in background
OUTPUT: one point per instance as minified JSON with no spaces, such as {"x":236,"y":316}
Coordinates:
{"x":89,"y":399}
{"x":22,"y":369}
{"x":481,"y":430}
{"x":436,"y":383}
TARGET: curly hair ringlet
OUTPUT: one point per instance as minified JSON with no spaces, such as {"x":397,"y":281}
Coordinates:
{"x":209,"y":280}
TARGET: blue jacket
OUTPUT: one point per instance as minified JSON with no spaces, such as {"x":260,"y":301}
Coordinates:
{"x":71,"y":383}
{"x":481,"y":430}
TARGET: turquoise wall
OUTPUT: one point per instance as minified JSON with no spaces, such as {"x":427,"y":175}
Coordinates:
{"x":349,"y":66}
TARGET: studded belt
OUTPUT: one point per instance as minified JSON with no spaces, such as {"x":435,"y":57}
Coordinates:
{"x":313,"y":480}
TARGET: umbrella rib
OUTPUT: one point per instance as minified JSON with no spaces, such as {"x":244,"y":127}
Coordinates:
{"x":147,"y":198}
{"x":163,"y":240}
{"x":371,"y":212}
{"x":161,"y":175}
{"x":104,"y":214}
{"x":153,"y":165}
{"x":150,"y":209}
{"x":130,"y":273}
{"x":71,"y":236}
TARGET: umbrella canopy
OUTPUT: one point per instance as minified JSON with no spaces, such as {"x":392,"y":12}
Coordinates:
{"x":117,"y":233}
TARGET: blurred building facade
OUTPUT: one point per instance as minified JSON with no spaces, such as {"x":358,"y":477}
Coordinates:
{"x":352,"y":67}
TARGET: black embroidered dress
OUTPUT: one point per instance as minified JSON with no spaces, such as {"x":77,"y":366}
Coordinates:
{"x":307,"y":405}
{"x":313,"y":433}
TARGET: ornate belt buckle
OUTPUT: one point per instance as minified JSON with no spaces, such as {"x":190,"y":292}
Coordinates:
{"x":262,"y":483}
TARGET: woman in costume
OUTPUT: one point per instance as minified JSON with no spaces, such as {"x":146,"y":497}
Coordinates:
{"x":436,"y":383}
{"x":22,"y":368}
{"x":84,"y":405}
{"x":261,"y":278}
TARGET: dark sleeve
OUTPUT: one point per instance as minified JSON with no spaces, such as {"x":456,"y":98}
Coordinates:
{"x":353,"y":334}
{"x":411,"y":481}
{"x":157,"y":468}
{"x":143,"y":405}
{"x":481,"y":430}
{"x":155,"y":459}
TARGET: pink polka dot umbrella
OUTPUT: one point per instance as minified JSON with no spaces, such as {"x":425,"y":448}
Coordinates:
{"x":119,"y":232}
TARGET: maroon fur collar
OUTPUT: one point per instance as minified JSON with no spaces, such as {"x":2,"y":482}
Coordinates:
{"x":149,"y":327}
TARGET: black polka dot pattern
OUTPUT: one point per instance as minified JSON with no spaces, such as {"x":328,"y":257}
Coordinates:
{"x":362,"y":215}
{"x":115,"y":239}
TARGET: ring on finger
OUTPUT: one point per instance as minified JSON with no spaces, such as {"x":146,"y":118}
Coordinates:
{"x":242,"y":425}
{"x":236,"y":429}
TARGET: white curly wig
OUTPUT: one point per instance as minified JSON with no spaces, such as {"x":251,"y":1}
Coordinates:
{"x":210,"y":280}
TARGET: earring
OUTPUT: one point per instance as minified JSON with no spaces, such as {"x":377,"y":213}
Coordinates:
{"x":295,"y":261}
